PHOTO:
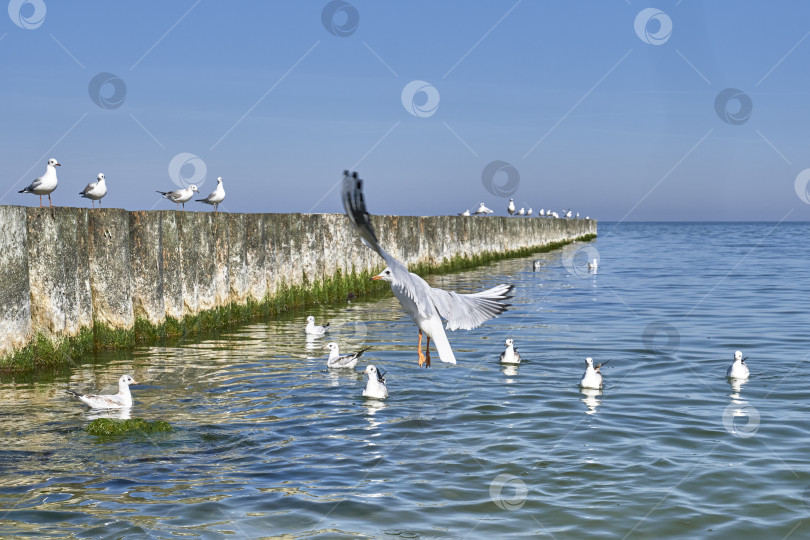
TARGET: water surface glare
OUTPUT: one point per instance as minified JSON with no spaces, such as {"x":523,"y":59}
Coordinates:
{"x":268,"y":442}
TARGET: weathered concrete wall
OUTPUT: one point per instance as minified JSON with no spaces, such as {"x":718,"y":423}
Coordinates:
{"x":62,"y":270}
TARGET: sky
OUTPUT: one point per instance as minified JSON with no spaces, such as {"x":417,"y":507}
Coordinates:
{"x":618,"y":109}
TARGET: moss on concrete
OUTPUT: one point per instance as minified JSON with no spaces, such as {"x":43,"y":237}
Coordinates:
{"x":109,"y":427}
{"x":44,"y":353}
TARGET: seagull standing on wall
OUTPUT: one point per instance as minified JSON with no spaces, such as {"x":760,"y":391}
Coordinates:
{"x":216,"y":196}
{"x":511,"y":207}
{"x":180,"y":196}
{"x":426,"y":305}
{"x":45,"y":184}
{"x":95,"y":190}
{"x":483,"y":210}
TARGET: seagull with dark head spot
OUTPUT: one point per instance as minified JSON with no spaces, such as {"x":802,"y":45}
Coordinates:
{"x":426,"y":305}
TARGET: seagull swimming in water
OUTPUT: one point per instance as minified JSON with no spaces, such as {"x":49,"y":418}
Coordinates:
{"x":483,"y":210}
{"x":216,"y":196}
{"x":592,"y":378}
{"x":337,"y":360}
{"x":593,"y":265}
{"x":375,"y":387}
{"x":510,"y":355}
{"x":426,"y":305}
{"x":738,"y":369}
{"x":313,"y":329}
{"x":95,"y":191}
{"x":180,"y":196}
{"x":536,"y":265}
{"x":121,"y":400}
{"x":45,"y":184}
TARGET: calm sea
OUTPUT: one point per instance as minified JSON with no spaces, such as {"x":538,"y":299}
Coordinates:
{"x":269,"y":443}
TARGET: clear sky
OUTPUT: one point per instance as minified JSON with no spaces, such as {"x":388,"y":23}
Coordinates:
{"x":615,"y":108}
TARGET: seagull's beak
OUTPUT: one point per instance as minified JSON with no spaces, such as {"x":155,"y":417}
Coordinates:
{"x":58,"y":165}
{"x":375,"y":278}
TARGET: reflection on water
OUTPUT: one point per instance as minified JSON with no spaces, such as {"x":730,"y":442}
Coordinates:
{"x":591,"y":400}
{"x":268,"y":442}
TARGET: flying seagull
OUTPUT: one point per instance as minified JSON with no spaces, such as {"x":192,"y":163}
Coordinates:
{"x":426,"y":305}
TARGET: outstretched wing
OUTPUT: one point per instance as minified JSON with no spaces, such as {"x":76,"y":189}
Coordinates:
{"x":468,"y":311}
{"x":405,"y":282}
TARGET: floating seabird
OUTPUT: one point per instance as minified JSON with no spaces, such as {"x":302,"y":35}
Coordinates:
{"x":592,"y":377}
{"x":738,"y":369}
{"x":375,"y":387}
{"x":337,"y":360}
{"x":313,"y":329}
{"x":121,"y":400}
{"x":510,"y":355}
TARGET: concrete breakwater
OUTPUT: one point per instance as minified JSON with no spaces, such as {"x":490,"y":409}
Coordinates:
{"x":73,"y":278}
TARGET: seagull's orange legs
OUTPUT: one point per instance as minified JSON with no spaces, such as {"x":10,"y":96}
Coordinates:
{"x":49,"y":200}
{"x":427,"y":352}
{"x":424,"y":359}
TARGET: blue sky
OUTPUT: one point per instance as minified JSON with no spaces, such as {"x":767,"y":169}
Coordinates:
{"x":593,"y":115}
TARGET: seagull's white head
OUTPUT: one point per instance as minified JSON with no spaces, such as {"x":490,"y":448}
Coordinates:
{"x":311,"y":319}
{"x":125,"y":380}
{"x":101,"y":176}
{"x":738,"y":356}
{"x":373,"y":374}
{"x":219,"y":179}
{"x":53,"y":163}
{"x":332,"y":346}
{"x":510,"y":342}
{"x":385,"y":275}
{"x":193,"y":187}
{"x":589,"y":362}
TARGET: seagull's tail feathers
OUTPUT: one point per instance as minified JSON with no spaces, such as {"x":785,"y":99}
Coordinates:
{"x":26,"y":190}
{"x":74,"y":394}
{"x":164,"y":193}
{"x":443,"y":347}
